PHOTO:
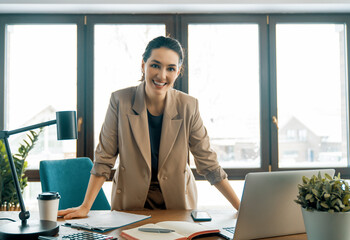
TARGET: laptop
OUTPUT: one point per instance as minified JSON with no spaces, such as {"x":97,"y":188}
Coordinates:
{"x":267,"y":207}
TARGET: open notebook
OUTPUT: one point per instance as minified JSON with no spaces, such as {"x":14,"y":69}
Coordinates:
{"x":182,"y":231}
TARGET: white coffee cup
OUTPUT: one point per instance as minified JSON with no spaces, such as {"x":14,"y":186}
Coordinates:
{"x":48,"y":205}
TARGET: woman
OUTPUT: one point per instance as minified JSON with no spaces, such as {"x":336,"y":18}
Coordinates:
{"x":153,"y":127}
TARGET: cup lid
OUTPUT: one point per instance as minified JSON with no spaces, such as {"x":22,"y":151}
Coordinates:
{"x":49,"y":196}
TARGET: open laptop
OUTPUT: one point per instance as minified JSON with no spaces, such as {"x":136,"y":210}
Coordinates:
{"x":267,"y":207}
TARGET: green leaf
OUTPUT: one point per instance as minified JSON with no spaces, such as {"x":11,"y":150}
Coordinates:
{"x":315,"y":192}
{"x":346,"y":209}
{"x":26,"y":142}
{"x":338,"y":175}
{"x":31,"y":137}
{"x":328,"y":176}
{"x":308,"y":196}
{"x":323,"y":204}
{"x":305,"y":180}
{"x":346,"y":199}
{"x":34,"y":134}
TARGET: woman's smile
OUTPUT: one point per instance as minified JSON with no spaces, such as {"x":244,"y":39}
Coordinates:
{"x":159,"y":84}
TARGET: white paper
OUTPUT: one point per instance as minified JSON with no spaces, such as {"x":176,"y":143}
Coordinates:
{"x":113,"y":219}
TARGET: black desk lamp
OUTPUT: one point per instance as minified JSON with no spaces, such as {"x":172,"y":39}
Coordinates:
{"x":66,"y":129}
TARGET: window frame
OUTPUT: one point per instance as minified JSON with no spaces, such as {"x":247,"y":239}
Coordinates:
{"x":301,"y":18}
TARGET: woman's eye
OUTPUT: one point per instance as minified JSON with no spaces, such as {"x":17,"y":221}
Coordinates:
{"x":171,"y":69}
{"x":154,"y":66}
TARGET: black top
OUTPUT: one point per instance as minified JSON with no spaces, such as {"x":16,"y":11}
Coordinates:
{"x":155,"y":130}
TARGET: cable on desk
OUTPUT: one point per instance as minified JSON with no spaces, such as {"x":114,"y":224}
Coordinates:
{"x":8,"y":219}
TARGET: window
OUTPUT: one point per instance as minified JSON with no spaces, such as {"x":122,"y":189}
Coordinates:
{"x":312,"y":96}
{"x":225,"y":73}
{"x":302,"y":135}
{"x":291,"y":134}
{"x":225,"y":79}
{"x":272,"y":89}
{"x":41,"y":78}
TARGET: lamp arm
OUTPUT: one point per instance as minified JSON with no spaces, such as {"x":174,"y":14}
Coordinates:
{"x":24,"y":214}
{"x":39,"y":125}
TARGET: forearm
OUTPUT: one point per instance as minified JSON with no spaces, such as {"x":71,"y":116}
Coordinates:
{"x":225,"y":188}
{"x":93,"y":189}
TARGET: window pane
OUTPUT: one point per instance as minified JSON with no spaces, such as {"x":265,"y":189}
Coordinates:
{"x":224,"y":76}
{"x":41,"y":78}
{"x":312,"y":95}
{"x":118,"y":56}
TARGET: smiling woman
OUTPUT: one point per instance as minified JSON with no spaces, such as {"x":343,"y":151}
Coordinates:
{"x":152,"y":128}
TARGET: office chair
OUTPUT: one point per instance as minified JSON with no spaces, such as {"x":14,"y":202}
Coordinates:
{"x":70,"y":177}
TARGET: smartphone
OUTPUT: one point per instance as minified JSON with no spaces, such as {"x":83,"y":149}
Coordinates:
{"x":200,"y":216}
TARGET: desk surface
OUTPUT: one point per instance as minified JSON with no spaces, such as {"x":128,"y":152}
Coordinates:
{"x":157,"y":216}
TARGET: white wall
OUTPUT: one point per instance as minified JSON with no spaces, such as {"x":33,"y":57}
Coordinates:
{"x":173,"y":6}
{"x":175,"y":1}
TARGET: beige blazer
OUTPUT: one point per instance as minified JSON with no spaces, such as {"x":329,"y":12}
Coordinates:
{"x":125,"y":132}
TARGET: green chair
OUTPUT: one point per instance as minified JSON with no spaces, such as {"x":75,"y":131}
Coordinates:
{"x":70,"y":177}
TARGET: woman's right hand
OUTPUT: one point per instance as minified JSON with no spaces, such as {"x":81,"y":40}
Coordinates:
{"x":76,"y":212}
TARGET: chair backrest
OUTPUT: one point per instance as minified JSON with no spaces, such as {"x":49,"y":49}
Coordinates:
{"x":70,"y":177}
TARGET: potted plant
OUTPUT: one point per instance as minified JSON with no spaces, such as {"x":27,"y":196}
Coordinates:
{"x":8,"y":196}
{"x":325,"y":207}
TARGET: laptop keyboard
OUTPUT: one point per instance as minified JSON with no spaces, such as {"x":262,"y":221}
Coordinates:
{"x":230,"y":229}
{"x":86,"y":236}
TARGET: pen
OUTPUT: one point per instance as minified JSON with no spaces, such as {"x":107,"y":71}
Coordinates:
{"x":82,"y":226}
{"x":156,"y":230}
{"x":47,"y":238}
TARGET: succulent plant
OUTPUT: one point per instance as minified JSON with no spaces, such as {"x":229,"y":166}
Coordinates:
{"x":324,"y":194}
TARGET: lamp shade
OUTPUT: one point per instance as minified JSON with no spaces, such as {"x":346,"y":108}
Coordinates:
{"x":66,"y":125}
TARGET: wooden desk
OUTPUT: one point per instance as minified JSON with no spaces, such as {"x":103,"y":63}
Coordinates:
{"x":157,"y":216}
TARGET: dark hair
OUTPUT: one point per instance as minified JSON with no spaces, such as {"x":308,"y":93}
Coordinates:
{"x":166,"y":42}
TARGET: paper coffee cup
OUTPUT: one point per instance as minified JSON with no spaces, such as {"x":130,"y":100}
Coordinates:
{"x":48,"y":205}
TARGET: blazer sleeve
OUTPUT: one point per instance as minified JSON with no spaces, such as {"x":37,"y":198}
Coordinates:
{"x":107,"y":148}
{"x":205,"y":158}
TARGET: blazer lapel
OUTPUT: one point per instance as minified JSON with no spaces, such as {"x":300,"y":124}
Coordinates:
{"x":139,"y":124}
{"x":170,"y":128}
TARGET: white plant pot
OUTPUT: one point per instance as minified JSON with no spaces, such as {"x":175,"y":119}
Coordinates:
{"x":326,"y":226}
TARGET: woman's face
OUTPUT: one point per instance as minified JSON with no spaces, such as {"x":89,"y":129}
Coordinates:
{"x":160,"y":70}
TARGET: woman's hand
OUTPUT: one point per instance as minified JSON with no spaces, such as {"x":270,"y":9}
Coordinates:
{"x":76,"y":212}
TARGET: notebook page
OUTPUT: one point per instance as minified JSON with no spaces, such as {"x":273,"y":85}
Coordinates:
{"x":187,"y":228}
{"x":134,"y":233}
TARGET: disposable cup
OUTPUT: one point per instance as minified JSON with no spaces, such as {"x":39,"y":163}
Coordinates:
{"x":48,"y":205}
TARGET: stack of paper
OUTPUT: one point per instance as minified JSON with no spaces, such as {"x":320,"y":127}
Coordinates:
{"x":106,"y":222}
